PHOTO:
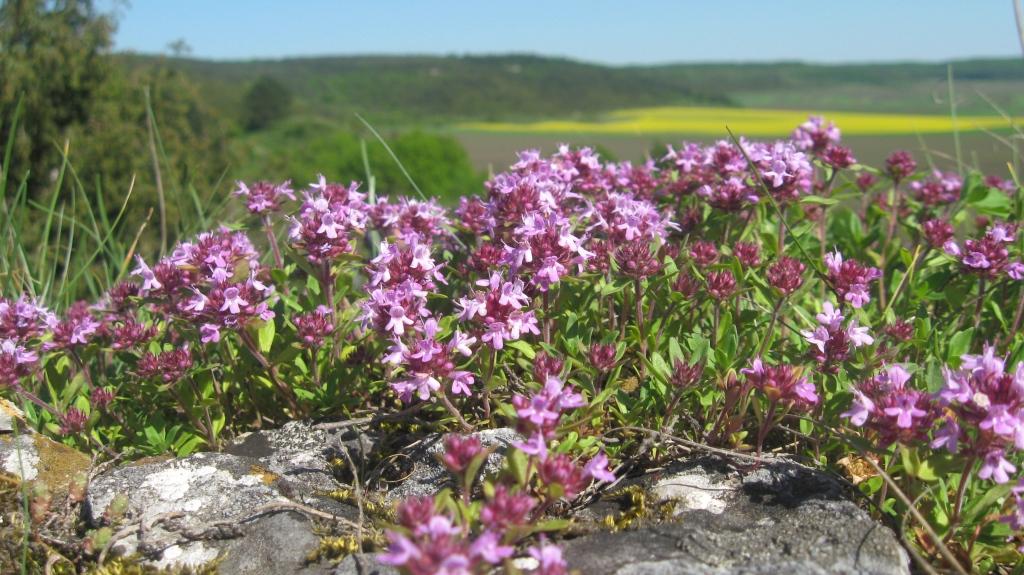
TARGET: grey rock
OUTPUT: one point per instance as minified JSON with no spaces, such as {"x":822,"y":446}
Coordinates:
{"x":205,"y":488}
{"x":779,"y":518}
{"x":363,"y":564}
{"x":429,"y":476}
{"x":34,"y":457}
{"x":19,"y":457}
{"x":297,"y":452}
{"x":222,"y":503}
{"x":274,"y":544}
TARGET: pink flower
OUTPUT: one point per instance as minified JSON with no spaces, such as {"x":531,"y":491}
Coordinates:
{"x":149,"y":279}
{"x":233,"y":301}
{"x":597,"y":468}
{"x":996,"y":467}
{"x":549,"y":558}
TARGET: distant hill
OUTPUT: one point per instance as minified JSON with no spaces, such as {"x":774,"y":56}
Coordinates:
{"x":437,"y":90}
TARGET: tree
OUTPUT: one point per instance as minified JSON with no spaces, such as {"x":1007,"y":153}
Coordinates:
{"x":52,"y":61}
{"x":266,"y":102}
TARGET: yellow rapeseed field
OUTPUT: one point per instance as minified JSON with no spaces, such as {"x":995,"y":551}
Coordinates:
{"x":754,"y":122}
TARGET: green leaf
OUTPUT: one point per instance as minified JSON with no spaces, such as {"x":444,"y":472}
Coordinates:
{"x":989,"y":201}
{"x":551,"y":525}
{"x":266,"y":336}
{"x":986,"y":503}
{"x":819,"y":200}
{"x":524,"y":347}
{"x":959,"y":344}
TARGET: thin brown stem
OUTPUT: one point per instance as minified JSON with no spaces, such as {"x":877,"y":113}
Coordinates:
{"x":272,"y":240}
{"x":961,"y":490}
{"x":889,"y":233}
{"x":455,"y":412}
{"x":639,"y":301}
{"x":771,"y":326}
{"x":980,"y":304}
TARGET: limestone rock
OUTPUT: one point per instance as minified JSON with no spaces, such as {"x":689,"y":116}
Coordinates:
{"x":363,"y":564}
{"x":297,"y":453}
{"x":205,"y":488}
{"x":35,"y":457}
{"x":277,"y":543}
{"x":781,"y":517}
{"x":429,"y":476}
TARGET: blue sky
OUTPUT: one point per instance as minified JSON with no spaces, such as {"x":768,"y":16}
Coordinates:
{"x":597,"y":30}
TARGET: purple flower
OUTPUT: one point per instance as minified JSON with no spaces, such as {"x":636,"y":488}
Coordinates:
{"x":149,"y":279}
{"x":786,"y":274}
{"x":1016,"y":517}
{"x":549,"y":559}
{"x":72,"y":421}
{"x":506,"y":509}
{"x":542,"y":411}
{"x":460,"y":451}
{"x":905,"y":410}
{"x":815,"y":135}
{"x":263,"y":197}
{"x":782,"y":383}
{"x":888,"y":406}
{"x":996,"y":467}
{"x":597,"y":468}
{"x":939,"y":188}
{"x":850,"y":279}
{"x":899,"y":165}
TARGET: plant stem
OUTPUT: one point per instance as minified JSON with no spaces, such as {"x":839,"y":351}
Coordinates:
{"x":211,"y":436}
{"x":782,"y":238}
{"x":546,"y":326}
{"x":455,"y":412}
{"x":272,"y":239}
{"x":35,"y":399}
{"x":638,"y":296}
{"x":981,"y":304}
{"x":771,"y":326}
{"x":889,"y":233}
{"x":1017,"y":315}
{"x":961,"y":490}
{"x":766,"y":426}
{"x":286,"y":391}
{"x":714,"y":325}
{"x":491,"y":361}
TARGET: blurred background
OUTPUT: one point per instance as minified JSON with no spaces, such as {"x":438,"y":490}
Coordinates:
{"x":174,"y":101}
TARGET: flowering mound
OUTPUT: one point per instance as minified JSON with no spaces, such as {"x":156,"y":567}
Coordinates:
{"x":747,"y":296}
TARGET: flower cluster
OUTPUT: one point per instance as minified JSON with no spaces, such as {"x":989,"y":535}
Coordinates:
{"x":499,"y":311}
{"x":401,"y":277}
{"x":893,"y":410}
{"x":816,"y":135}
{"x":832,"y":340}
{"x":263,"y":197}
{"x":544,"y":249}
{"x":989,"y":255}
{"x":431,"y":543}
{"x":850,"y":279}
{"x":427,"y":362}
{"x":940,"y":188}
{"x":329,"y":219}
{"x":167,"y":366}
{"x":786,"y":171}
{"x":783,"y":385}
{"x":215,"y":282}
{"x":410,"y":220}
{"x":985,"y":412}
{"x":786,"y":274}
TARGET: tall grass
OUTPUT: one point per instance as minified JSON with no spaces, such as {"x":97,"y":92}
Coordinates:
{"x":59,"y":243}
